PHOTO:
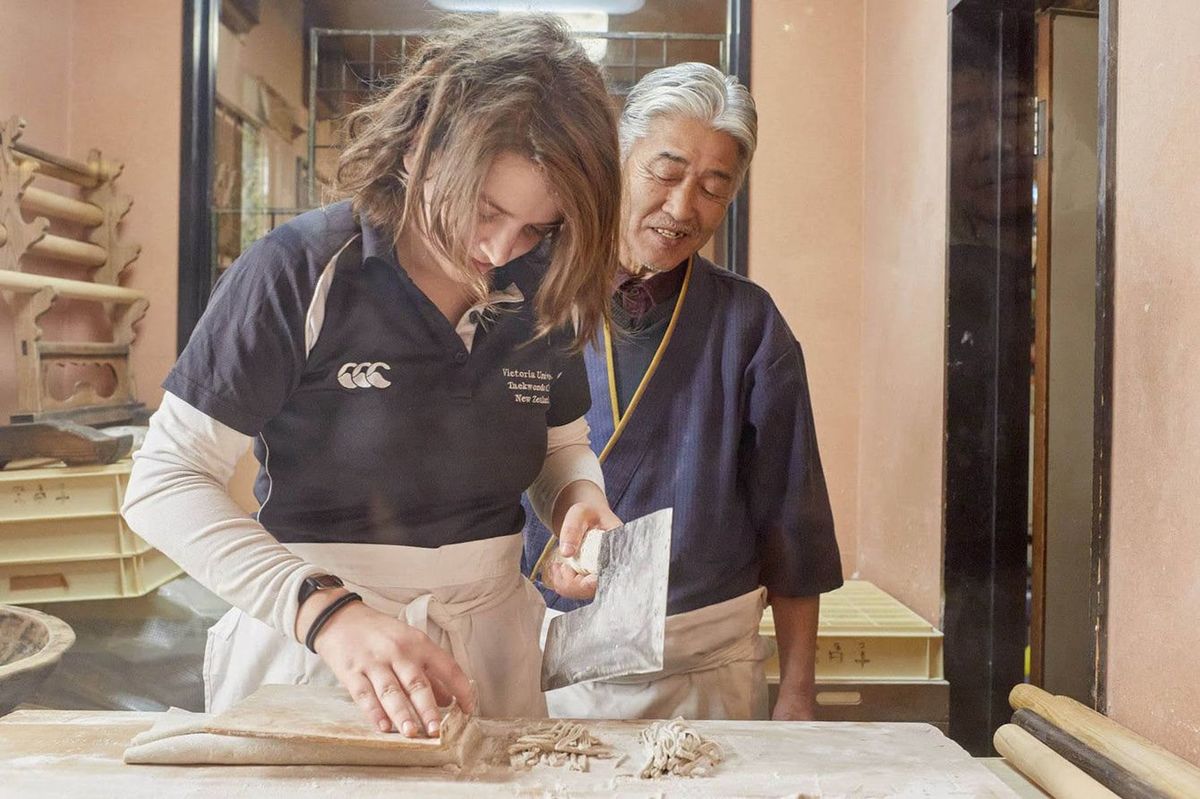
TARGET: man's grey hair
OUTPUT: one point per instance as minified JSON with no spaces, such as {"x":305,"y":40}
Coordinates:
{"x":695,"y":90}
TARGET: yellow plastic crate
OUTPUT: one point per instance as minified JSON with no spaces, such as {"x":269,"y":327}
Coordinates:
{"x":866,"y":634}
{"x":63,"y":513}
{"x":68,"y":581}
{"x":70,"y":538}
{"x":63,"y":492}
{"x":62,"y":537}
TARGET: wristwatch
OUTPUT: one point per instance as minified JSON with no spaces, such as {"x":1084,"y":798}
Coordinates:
{"x":320,"y":582}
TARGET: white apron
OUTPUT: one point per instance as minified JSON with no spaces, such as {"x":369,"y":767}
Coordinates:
{"x":470,"y":598}
{"x":712,"y":669}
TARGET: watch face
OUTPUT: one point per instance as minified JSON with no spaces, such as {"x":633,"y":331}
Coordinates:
{"x":313,"y":584}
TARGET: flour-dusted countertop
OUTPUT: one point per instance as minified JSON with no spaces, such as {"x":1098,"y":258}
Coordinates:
{"x":47,"y":753}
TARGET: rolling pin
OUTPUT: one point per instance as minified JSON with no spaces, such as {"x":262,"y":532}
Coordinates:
{"x":1163,"y":771}
{"x":1089,"y":761}
{"x":1047,"y":768}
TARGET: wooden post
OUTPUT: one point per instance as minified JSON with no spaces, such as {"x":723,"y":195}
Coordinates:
{"x":1086,"y":759}
{"x":119,"y":255}
{"x":1045,"y":767}
{"x":75,"y":289}
{"x":88,"y":176}
{"x":27,"y":307}
{"x":15,"y":178}
{"x":1159,"y":768}
{"x":63,"y":249}
{"x":102,"y":210}
{"x":40,"y":201}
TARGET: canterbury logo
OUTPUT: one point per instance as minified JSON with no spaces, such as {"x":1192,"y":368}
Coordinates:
{"x":363,"y":375}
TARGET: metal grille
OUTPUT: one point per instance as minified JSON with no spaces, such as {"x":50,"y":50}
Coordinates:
{"x":346,"y":67}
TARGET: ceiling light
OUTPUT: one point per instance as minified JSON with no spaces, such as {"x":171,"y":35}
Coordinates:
{"x":552,"y":6}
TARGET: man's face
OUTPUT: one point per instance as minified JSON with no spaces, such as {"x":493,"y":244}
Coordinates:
{"x":679,"y":180}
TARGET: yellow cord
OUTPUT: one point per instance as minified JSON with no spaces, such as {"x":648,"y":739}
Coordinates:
{"x":621,"y":420}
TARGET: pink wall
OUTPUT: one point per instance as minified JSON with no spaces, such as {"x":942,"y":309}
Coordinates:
{"x":806,"y":214}
{"x":903,"y":302}
{"x":847,"y":219}
{"x":126,"y":100}
{"x":35,"y":84}
{"x":1154,"y":562}
{"x":35,"y":68}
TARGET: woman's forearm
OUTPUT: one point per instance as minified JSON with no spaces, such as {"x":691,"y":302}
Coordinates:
{"x":178,"y":501}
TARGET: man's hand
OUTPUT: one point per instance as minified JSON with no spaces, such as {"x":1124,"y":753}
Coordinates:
{"x":580,"y":507}
{"x":796,"y":621}
{"x":797,"y":706}
{"x":566,"y":582}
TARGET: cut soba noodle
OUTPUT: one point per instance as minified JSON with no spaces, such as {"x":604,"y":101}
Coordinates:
{"x":676,"y":749}
{"x":564,"y":742}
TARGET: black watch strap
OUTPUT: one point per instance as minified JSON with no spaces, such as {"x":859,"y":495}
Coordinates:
{"x":316,"y":583}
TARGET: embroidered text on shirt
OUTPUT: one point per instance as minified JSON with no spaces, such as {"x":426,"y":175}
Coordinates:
{"x":521,"y":381}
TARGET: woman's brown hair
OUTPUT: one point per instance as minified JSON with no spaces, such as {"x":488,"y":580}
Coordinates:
{"x":480,"y":87}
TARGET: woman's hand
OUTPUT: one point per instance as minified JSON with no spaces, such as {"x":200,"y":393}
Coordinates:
{"x":581,"y":507}
{"x":394,"y":672}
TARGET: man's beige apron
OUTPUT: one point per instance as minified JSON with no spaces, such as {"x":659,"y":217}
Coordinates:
{"x":712,"y":669}
{"x":469,"y":598}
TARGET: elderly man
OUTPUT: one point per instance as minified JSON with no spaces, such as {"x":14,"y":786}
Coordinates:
{"x":700,"y":403}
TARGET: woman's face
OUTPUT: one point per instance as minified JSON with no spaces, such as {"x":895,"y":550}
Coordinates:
{"x":517,"y":210}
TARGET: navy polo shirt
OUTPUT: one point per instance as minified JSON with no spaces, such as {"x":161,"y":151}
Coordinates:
{"x":388,"y":431}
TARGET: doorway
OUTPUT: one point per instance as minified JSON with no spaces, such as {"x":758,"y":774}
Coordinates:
{"x":1028,"y":432}
{"x":1062,"y":648}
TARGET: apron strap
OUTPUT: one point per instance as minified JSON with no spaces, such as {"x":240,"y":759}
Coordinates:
{"x":448,"y":630}
{"x":448,"y":624}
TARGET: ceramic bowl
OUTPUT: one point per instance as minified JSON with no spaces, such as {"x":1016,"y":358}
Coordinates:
{"x":31,"y":644}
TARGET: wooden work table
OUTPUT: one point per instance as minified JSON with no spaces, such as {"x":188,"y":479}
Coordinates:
{"x":47,"y":753}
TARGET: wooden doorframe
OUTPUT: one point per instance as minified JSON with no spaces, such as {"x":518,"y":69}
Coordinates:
{"x":1098,"y":599}
{"x":1102,"y":423}
{"x":989,"y":333}
{"x":1041,"y":349}
{"x":1051,"y":11}
{"x":200,"y":24}
{"x":737,"y":233}
{"x":1046,"y":582}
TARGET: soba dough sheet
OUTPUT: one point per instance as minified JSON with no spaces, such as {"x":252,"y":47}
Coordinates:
{"x":295,"y":725}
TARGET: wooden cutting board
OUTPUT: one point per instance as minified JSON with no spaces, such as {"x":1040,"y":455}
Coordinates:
{"x":320,"y":715}
{"x":79,"y":753}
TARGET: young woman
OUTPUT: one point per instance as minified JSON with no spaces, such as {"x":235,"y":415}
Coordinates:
{"x":406,"y":364}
